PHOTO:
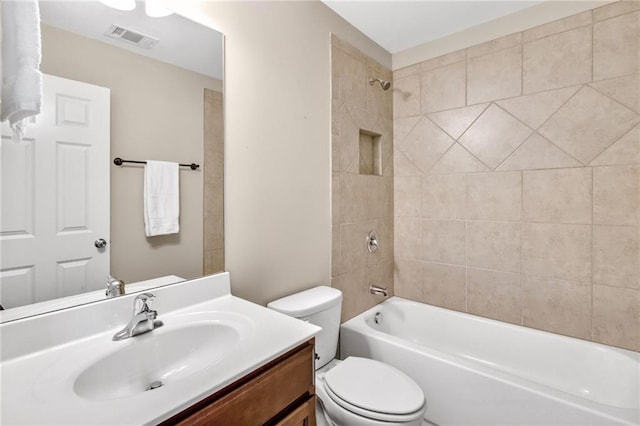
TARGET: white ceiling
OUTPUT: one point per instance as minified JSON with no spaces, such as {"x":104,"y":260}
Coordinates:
{"x":183,"y":43}
{"x":400,"y":25}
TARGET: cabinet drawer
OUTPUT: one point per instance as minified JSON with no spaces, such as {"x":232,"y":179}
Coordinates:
{"x":264,"y":396}
{"x":304,"y":415}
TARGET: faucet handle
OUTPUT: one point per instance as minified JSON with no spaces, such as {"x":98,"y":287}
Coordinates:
{"x":142,"y":303}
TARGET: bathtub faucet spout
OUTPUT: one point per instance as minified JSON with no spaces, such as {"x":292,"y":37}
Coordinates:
{"x":378,"y":291}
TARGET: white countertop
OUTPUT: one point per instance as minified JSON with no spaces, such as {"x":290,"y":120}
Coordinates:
{"x":38,"y":382}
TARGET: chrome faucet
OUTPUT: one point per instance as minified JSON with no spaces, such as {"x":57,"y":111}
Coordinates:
{"x":378,"y":291}
{"x":115,"y":287}
{"x":143,"y":320}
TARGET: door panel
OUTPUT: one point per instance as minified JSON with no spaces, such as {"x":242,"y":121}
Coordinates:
{"x":55,"y":197}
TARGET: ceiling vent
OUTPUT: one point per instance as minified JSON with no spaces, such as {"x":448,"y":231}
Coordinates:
{"x":132,"y":37}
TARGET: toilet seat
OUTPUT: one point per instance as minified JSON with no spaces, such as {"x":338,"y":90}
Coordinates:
{"x":374,"y":390}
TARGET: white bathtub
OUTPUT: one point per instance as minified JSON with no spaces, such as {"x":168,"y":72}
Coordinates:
{"x":476,"y":371}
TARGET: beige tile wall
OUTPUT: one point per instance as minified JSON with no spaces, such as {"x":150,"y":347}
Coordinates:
{"x":517,"y":177}
{"x":360,"y":203}
{"x":213,"y":214}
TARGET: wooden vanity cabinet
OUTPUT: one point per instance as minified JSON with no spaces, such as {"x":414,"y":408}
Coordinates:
{"x":281,"y":393}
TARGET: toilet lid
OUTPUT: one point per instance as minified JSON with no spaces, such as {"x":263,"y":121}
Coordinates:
{"x":374,"y":386}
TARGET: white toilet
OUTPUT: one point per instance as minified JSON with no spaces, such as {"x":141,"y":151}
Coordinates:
{"x":356,"y":391}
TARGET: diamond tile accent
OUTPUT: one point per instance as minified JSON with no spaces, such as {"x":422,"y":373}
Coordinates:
{"x":494,"y":136}
{"x":625,"y":151}
{"x":402,"y":127}
{"x":535,"y":109}
{"x":456,"y":121}
{"x":402,"y":166}
{"x":458,"y":160}
{"x":424,"y":145}
{"x":625,"y":90}
{"x":538,"y":153}
{"x":588,"y":124}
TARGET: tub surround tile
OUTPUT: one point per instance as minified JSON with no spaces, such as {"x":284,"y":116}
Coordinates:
{"x":406,"y":72}
{"x":558,"y":306}
{"x":458,"y":160}
{"x":614,"y":9}
{"x":494,"y":45}
{"x":616,"y":195}
{"x":443,"y":88}
{"x":408,"y":238}
{"x":361,"y":203}
{"x":557,"y":196}
{"x":494,"y":245}
{"x":456,"y":121}
{"x":527,"y":210}
{"x":407,"y":195}
{"x":403,"y":167}
{"x":353,"y":80}
{"x":353,"y":198}
{"x":444,"y":241}
{"x":353,"y":252}
{"x":495,"y":75}
{"x":425,"y":144}
{"x":535,"y":109}
{"x":616,"y":316}
{"x":494,"y":136}
{"x":406,"y":96}
{"x":625,"y":151}
{"x":616,"y":46}
{"x":569,"y":23}
{"x":407,"y":279}
{"x":444,"y":285}
{"x":441,"y":61}
{"x":380,"y":197}
{"x":494,"y":294}
{"x":625,"y":90}
{"x":556,"y":61}
{"x":494,"y":196}
{"x":444,"y":196}
{"x":538,"y":153}
{"x":616,"y":256}
{"x":557,"y":251}
{"x":588,"y":124}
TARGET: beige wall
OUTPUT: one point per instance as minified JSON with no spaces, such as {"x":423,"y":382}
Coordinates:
{"x":277,"y":124}
{"x":156,"y":114}
{"x":517,"y":177}
{"x":361,"y":201}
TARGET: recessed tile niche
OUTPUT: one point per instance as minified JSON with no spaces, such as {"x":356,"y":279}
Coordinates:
{"x":370,"y":153}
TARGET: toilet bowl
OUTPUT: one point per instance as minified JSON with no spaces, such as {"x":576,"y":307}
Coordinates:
{"x":365,"y":392}
{"x":356,"y":391}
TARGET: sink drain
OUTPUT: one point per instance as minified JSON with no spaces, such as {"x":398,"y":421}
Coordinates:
{"x":154,"y":385}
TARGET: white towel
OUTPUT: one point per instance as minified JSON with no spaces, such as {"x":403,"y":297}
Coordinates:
{"x":21,"y":93}
{"x":161,"y":198}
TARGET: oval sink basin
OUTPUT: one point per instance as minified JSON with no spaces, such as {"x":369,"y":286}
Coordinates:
{"x":158,"y":358}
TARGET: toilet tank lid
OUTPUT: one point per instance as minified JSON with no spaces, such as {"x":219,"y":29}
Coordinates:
{"x":307,"y":302}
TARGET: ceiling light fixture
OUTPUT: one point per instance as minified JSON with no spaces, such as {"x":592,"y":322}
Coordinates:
{"x":156,"y":9}
{"x":153,"y":8}
{"x":120,"y":4}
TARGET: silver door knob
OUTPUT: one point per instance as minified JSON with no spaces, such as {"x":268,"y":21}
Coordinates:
{"x":100,"y":243}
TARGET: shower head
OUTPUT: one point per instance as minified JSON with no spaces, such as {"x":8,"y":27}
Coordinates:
{"x":383,"y":83}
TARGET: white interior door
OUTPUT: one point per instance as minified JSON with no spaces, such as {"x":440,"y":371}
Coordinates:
{"x":55,"y":197}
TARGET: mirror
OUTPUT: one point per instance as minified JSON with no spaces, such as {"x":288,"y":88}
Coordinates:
{"x":161,"y":79}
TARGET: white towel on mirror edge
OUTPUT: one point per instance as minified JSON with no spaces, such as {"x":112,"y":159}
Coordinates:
{"x":161,"y":198}
{"x":21,"y":90}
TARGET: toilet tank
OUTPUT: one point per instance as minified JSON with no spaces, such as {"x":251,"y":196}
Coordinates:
{"x":320,"y":306}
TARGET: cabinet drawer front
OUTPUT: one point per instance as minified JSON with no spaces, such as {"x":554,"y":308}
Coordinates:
{"x":304,"y":415}
{"x":257,"y":401}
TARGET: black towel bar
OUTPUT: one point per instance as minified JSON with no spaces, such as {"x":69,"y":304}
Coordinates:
{"x":118,"y":162}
